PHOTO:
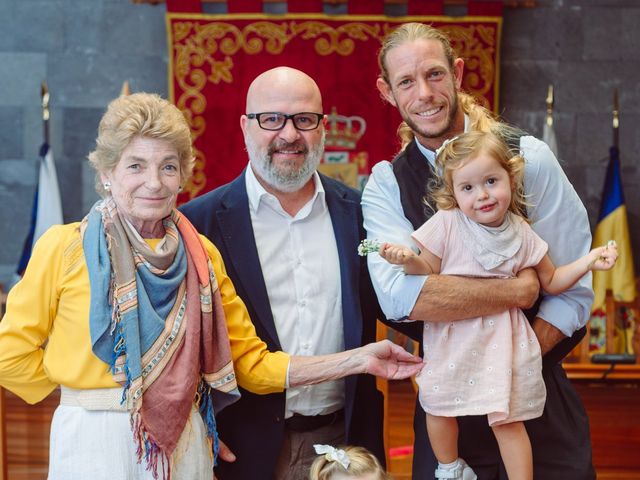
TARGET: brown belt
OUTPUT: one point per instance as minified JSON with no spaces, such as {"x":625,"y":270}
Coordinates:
{"x":303,"y":423}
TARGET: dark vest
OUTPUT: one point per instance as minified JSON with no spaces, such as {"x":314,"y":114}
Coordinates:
{"x":413,"y":171}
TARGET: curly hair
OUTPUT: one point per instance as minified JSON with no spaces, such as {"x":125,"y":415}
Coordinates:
{"x":459,"y":151}
{"x":361,"y":462}
{"x":140,"y":114}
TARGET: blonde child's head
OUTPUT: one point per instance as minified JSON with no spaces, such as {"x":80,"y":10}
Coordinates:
{"x":346,"y":463}
{"x":458,"y":152}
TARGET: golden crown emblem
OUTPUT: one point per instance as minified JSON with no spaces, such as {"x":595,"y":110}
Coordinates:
{"x":343,"y":131}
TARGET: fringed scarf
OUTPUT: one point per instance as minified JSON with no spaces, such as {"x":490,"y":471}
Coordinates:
{"x":156,"y":318}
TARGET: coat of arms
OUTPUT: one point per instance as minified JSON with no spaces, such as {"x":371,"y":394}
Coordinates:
{"x":341,"y":159}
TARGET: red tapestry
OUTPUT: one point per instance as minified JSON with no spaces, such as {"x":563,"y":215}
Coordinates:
{"x":214,"y":58}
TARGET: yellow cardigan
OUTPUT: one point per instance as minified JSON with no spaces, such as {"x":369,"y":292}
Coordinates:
{"x":44,"y":335}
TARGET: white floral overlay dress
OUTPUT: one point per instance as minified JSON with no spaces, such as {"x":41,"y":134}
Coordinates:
{"x":487,"y":365}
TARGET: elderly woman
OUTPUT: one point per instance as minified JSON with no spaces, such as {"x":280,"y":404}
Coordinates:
{"x":132,"y":296}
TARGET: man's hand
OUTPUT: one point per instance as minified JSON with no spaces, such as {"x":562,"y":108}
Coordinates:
{"x":387,"y":360}
{"x":548,"y":335}
{"x":224,"y":454}
{"x":446,"y":298}
{"x":528,"y":288}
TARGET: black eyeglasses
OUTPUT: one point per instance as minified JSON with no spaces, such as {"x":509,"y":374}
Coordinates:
{"x":276,"y":120}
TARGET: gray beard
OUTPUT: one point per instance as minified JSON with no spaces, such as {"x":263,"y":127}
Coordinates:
{"x":286,"y":181}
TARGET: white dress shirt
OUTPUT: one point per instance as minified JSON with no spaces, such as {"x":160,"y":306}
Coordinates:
{"x":557,"y":215}
{"x":301,"y":270}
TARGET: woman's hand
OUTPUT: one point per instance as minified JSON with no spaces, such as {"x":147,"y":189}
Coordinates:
{"x":383,"y":359}
{"x":387,"y":360}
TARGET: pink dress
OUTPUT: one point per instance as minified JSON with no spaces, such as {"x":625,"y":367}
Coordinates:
{"x":487,"y":365}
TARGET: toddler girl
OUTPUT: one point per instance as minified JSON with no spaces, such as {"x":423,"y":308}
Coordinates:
{"x":489,"y":365}
{"x":347,"y":463}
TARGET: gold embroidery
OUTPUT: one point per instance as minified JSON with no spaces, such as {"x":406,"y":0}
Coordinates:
{"x":476,"y":44}
{"x":333,"y":42}
{"x":202,"y":53}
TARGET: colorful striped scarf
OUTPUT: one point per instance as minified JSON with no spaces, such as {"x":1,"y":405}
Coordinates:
{"x":156,"y":318}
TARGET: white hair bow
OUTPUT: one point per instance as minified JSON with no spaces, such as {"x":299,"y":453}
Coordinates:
{"x":333,"y":454}
{"x":445,"y":143}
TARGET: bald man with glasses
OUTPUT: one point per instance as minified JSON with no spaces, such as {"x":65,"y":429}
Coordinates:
{"x":289,"y":238}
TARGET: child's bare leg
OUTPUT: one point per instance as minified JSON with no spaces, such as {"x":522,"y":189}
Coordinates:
{"x":443,"y":435}
{"x":515,"y":449}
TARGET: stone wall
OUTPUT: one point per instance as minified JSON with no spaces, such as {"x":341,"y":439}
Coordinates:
{"x":85,"y":50}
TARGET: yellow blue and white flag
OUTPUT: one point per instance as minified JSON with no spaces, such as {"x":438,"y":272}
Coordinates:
{"x":613,"y":225}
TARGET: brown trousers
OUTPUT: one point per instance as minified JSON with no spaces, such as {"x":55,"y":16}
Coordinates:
{"x":297,"y":453}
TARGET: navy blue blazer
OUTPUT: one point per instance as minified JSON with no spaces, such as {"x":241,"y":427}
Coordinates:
{"x":253,"y":427}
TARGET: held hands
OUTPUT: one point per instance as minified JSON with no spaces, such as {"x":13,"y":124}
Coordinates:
{"x":396,"y":254}
{"x":603,"y":258}
{"x":387,"y":360}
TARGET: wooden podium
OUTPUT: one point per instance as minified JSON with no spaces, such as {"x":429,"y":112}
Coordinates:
{"x":611,"y":396}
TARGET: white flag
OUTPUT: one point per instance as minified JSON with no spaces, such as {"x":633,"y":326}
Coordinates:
{"x":549,"y":137}
{"x":49,"y":205}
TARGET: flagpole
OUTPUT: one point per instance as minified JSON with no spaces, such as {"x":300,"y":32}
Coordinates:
{"x":616,"y":119}
{"x":609,"y":300}
{"x":125,"y":91}
{"x":550,"y":106}
{"x":548,"y":134}
{"x":44,"y":94}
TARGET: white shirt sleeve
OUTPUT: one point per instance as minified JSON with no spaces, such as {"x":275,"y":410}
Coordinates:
{"x":384,"y":221}
{"x":559,"y":217}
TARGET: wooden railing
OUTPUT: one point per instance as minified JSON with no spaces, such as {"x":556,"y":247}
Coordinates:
{"x":28,"y":429}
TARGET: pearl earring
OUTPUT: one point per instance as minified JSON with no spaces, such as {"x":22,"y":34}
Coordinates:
{"x":180,"y":188}
{"x":107,"y":185}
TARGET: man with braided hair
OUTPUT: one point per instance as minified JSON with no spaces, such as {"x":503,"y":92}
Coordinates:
{"x":421,"y":77}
